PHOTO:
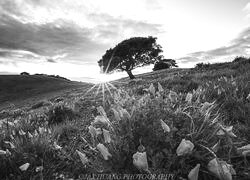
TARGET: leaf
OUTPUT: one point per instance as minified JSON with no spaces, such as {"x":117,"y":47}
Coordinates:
{"x":164,"y":126}
{"x":24,"y":167}
{"x":194,"y":173}
{"x":83,"y":157}
{"x":106,"y":136}
{"x":56,"y":146}
{"x":101,"y":119}
{"x":104,"y":151}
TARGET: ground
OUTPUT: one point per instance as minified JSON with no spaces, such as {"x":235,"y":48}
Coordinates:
{"x":179,"y":118}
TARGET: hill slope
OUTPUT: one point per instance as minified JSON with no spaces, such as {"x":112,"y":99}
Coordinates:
{"x":17,"y":88}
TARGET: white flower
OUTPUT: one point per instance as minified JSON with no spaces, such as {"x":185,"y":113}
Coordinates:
{"x":194,"y":173}
{"x":11,"y":144}
{"x":21,"y":132}
{"x":185,"y":147}
{"x":57,"y":147}
{"x":94,"y":131}
{"x":160,"y":89}
{"x":101,"y":111}
{"x":30,"y":135}
{"x":101,"y":119}
{"x":164,"y":126}
{"x":24,"y":167}
{"x":244,"y":150}
{"x":172,"y":96}
{"x":2,"y":152}
{"x":248,"y":97}
{"x":39,"y":168}
{"x":116,"y":114}
{"x":104,"y":151}
{"x":106,"y":136}
{"x":151,"y":89}
{"x":140,"y":161}
{"x":83,"y":157}
{"x":221,"y":169}
{"x":189,"y":97}
{"x":226,"y":131}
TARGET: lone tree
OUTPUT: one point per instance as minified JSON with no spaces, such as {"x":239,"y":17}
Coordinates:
{"x":130,"y":54}
{"x":164,"y":64}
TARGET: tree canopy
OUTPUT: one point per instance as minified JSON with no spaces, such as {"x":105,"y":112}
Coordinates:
{"x":130,"y":54}
{"x":164,"y":64}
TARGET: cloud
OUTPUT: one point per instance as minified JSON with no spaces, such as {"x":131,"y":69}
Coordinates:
{"x":42,"y":29}
{"x":240,"y":46}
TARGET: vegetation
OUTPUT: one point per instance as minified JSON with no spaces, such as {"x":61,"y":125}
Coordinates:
{"x":184,"y":122}
{"x":130,"y":54}
{"x":165,"y":64}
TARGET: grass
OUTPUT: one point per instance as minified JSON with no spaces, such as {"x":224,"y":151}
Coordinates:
{"x":198,"y":105}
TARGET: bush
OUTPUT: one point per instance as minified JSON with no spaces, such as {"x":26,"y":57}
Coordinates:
{"x":59,"y":114}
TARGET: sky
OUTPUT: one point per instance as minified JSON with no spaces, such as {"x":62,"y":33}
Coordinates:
{"x":68,"y":37}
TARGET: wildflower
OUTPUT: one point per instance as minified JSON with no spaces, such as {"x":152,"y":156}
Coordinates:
{"x":226,"y":131}
{"x":106,"y":136}
{"x":164,"y":126}
{"x":172,"y":96}
{"x":2,"y":152}
{"x":244,"y":150}
{"x":10,"y":143}
{"x":57,"y":147}
{"x":206,"y":107}
{"x":221,"y":169}
{"x":24,"y":167}
{"x":21,"y":132}
{"x":185,"y":147}
{"x":94,"y":131}
{"x":104,"y":151}
{"x":160,"y":89}
{"x":101,"y":119}
{"x":101,"y":111}
{"x":41,"y":130}
{"x":189,"y":97}
{"x":83,"y":157}
{"x":116,"y":114}
{"x":30,"y":135}
{"x":151,"y":89}
{"x":140,"y":161}
{"x":194,"y":173}
{"x":248,"y":97}
{"x":39,"y":168}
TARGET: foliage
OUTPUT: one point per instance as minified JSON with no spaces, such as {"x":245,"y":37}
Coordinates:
{"x":130,"y":54}
{"x":190,"y":119}
{"x":164,"y":64}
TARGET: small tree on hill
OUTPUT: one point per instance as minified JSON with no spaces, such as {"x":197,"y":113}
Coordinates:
{"x":130,"y":54}
{"x":164,"y":64}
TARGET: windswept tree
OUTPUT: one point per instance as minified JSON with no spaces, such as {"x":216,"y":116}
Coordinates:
{"x":164,"y":64}
{"x":130,"y":54}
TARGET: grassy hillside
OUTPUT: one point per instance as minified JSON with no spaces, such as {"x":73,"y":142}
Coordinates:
{"x":168,"y":122}
{"x":16,"y":88}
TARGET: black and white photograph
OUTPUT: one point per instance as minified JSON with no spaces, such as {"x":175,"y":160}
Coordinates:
{"x":124,"y":90}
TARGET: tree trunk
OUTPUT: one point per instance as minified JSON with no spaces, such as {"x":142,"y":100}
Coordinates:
{"x":131,"y":76}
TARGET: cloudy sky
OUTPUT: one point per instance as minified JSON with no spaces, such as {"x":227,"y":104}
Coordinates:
{"x":68,"y":37}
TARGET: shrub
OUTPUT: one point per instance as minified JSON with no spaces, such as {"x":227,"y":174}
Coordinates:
{"x":60,"y":113}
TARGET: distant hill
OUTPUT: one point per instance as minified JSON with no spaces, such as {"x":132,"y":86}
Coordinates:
{"x":15,"y":88}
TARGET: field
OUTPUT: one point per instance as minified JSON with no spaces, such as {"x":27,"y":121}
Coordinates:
{"x":177,"y":123}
